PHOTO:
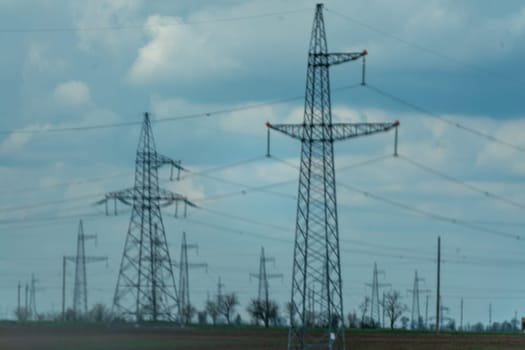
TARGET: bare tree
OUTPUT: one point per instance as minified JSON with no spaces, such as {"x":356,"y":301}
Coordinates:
{"x":353,"y":321}
{"x":227,"y":304}
{"x":290,"y":312}
{"x":212,"y":308}
{"x":364,"y":308}
{"x":100,"y":313}
{"x":187,"y":313}
{"x":264,"y":311}
{"x":202,"y":316}
{"x":393,"y":306}
{"x":22,"y":314}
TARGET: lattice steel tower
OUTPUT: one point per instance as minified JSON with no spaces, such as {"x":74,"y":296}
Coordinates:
{"x":80,"y":291}
{"x":374,"y":298}
{"x":146,"y":287}
{"x":184,"y":266}
{"x":80,"y":294}
{"x":263,"y":277}
{"x":416,"y":321}
{"x":316,"y":261}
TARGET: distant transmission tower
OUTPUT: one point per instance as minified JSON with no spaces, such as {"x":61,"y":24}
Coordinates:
{"x":316,"y":251}
{"x":146,"y":289}
{"x":33,"y":315}
{"x":184,"y":278}
{"x":374,"y":298}
{"x":416,"y":321}
{"x":80,"y":290}
{"x":263,"y":277}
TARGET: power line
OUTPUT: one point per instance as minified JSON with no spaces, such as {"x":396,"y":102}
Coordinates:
{"x":415,"y":45}
{"x":143,"y":26}
{"x":62,"y":184}
{"x":166,"y":119}
{"x":434,"y":216}
{"x":462,"y":183}
{"x":43,"y":204}
{"x":447,"y":121}
{"x":412,"y":256}
{"x":222,"y":167}
{"x":265,"y":188}
{"x":249,"y":220}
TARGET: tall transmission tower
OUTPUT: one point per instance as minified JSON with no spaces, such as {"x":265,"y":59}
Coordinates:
{"x":184,"y":278}
{"x":264,"y":287}
{"x":374,"y":297}
{"x":316,"y":250}
{"x":146,"y":289}
{"x":416,"y":321}
{"x":80,"y":290}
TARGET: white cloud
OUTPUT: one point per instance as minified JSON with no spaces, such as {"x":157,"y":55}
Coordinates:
{"x":503,"y":156}
{"x":178,"y":51}
{"x":18,"y":139}
{"x":39,"y":57}
{"x":392,"y":34}
{"x":72,"y":93}
{"x":518,"y":22}
{"x":100,"y":14}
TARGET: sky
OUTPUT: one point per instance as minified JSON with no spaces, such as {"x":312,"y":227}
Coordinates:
{"x":449,"y":71}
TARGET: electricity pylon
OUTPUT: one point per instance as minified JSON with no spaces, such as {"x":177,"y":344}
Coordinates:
{"x":416,"y":321}
{"x":184,"y":278}
{"x":316,"y":259}
{"x":374,"y":298}
{"x":32,"y":298}
{"x":442,"y":310}
{"x":80,"y":290}
{"x":146,"y":289}
{"x":263,"y":295}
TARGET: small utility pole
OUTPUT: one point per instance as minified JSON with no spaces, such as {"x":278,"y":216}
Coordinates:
{"x":383,"y":309}
{"x":27,"y":292}
{"x":490,"y":315}
{"x":426,"y":311}
{"x":438,"y":293}
{"x":18,"y":304}
{"x":64,"y":288}
{"x":461,"y":318}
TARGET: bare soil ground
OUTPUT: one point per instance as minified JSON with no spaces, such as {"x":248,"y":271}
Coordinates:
{"x":67,"y":337}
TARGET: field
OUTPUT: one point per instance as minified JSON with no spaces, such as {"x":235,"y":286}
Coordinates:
{"x":90,"y":337}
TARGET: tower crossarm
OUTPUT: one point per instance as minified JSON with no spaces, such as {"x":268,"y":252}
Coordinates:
{"x":336,"y":131}
{"x":319,"y":59}
{"x":90,"y":259}
{"x":274,"y":275}
{"x":380,"y":285}
{"x":192,"y":265}
{"x":167,"y":198}
{"x":124,"y":196}
{"x":343,"y":131}
{"x":128,"y":196}
{"x":159,"y":160}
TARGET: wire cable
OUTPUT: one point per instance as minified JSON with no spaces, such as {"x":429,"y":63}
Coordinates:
{"x":434,"y":216}
{"x":411,"y":44}
{"x":143,"y":26}
{"x":447,"y":121}
{"x":62,"y":184}
{"x":167,"y":119}
{"x":461,"y":182}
